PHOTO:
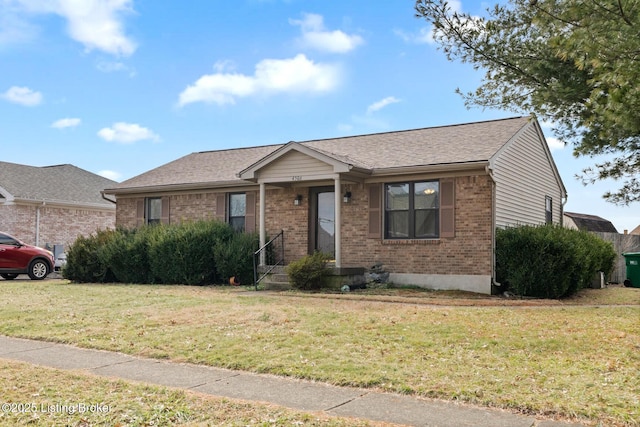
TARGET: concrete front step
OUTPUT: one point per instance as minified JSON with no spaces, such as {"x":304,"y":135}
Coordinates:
{"x":275,"y":286}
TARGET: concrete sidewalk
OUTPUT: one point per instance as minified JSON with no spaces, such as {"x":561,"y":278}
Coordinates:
{"x":296,"y":394}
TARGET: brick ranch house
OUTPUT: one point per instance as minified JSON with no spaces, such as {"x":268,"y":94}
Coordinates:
{"x":53,"y":205}
{"x":424,"y":202}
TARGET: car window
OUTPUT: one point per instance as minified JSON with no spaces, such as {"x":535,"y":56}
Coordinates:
{"x":7,"y":240}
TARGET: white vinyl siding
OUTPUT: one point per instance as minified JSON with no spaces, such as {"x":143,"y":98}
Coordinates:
{"x":524,"y":178}
{"x":295,"y":164}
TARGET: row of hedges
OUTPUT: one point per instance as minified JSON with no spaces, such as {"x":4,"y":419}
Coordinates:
{"x":198,"y":253}
{"x":550,"y":261}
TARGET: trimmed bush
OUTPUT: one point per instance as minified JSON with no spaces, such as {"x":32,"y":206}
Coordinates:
{"x":308,"y":273}
{"x":185,"y":253}
{"x":235,"y":257}
{"x":127,"y":255}
{"x":86,"y":261}
{"x":549,"y":261}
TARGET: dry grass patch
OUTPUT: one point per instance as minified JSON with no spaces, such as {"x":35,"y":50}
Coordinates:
{"x":576,"y":358}
{"x":46,"y":396}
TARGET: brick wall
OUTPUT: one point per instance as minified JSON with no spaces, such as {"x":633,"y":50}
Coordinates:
{"x":182,"y":207}
{"x":470,"y":252}
{"x":281,"y":214}
{"x":57,"y":225}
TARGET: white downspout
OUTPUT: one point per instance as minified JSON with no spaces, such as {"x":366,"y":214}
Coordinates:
{"x":263,"y":223}
{"x":489,"y":172}
{"x":338,"y":221}
{"x":38,"y":224}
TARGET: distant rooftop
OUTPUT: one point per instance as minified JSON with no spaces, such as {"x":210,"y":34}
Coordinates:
{"x":56,"y":184}
{"x":595,"y":223}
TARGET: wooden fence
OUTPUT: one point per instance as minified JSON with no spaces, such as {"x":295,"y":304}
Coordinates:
{"x":622,"y":243}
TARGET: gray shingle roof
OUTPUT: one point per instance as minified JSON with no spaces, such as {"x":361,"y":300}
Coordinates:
{"x":61,"y":183}
{"x":462,"y":143}
{"x":595,"y":223}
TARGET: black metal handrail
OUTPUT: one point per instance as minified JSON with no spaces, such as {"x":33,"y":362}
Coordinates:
{"x":270,"y":251}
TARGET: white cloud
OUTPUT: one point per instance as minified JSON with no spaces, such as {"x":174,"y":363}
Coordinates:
{"x":315,"y":36}
{"x":66,"y":123}
{"x":379,"y":105}
{"x":127,"y":133}
{"x":297,"y":74}
{"x":112,"y":175}
{"x":114,"y":67}
{"x":554,"y":144}
{"x":13,"y":28}
{"x":97,"y":24}
{"x":423,"y":36}
{"x":23,"y":96}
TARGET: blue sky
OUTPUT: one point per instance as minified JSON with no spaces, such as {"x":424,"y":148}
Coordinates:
{"x":118,"y":87}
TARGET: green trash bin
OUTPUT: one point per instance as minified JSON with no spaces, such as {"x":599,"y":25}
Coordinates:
{"x":632,"y":261}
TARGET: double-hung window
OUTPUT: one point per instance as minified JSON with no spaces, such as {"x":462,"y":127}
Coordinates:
{"x":237,"y":210}
{"x":412,"y":210}
{"x":153,"y":212}
{"x":548,"y":209}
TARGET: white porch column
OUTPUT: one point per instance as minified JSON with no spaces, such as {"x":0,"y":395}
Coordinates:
{"x":263,"y":222}
{"x":338,"y":221}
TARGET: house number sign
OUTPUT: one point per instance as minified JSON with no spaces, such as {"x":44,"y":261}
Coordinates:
{"x":296,"y":178}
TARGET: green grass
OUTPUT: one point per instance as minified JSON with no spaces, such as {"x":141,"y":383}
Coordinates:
{"x":572,"y":359}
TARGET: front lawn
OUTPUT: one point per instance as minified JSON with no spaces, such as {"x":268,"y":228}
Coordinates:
{"x":576,"y":358}
{"x":54,"y":397}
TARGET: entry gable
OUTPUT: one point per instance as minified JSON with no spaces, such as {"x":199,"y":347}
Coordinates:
{"x":294,"y":162}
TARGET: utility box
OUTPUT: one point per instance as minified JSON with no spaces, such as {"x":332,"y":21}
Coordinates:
{"x":632,"y":261}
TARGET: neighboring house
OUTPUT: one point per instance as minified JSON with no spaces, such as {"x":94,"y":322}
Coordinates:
{"x":636,"y":231}
{"x":584,"y":222}
{"x":425,"y":203}
{"x":53,"y":205}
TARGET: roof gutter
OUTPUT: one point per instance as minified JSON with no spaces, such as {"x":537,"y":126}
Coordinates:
{"x":60,"y":203}
{"x":176,"y":187}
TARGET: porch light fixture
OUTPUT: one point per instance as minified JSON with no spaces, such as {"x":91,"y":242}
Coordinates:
{"x":347,"y":197}
{"x":298,"y":200}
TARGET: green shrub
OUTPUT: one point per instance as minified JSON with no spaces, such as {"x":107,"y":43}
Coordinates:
{"x":308,"y":273}
{"x":235,"y":257}
{"x":127,"y":255}
{"x":549,"y":261}
{"x":85,"y":259}
{"x":184,"y":253}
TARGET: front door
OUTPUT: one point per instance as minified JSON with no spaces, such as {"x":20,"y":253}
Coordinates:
{"x":323,"y":220}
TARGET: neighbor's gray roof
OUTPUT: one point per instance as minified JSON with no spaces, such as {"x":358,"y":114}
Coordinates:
{"x":453,"y":144}
{"x":65,"y":184}
{"x":595,"y":223}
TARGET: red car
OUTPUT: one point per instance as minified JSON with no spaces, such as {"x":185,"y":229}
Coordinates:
{"x":17,"y":257}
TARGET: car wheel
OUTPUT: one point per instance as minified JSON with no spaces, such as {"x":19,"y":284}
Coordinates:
{"x":8,"y":276}
{"x":38,"y":270}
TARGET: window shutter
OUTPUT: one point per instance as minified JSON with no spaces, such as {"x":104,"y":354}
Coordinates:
{"x":447,"y":207}
{"x":375,"y":220}
{"x":165,"y":212}
{"x":140,"y":213}
{"x":250,"y":212}
{"x":221,"y":202}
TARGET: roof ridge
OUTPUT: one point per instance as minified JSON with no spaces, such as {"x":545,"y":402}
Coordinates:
{"x":414,"y":129}
{"x":361,"y":135}
{"x":239,"y":148}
